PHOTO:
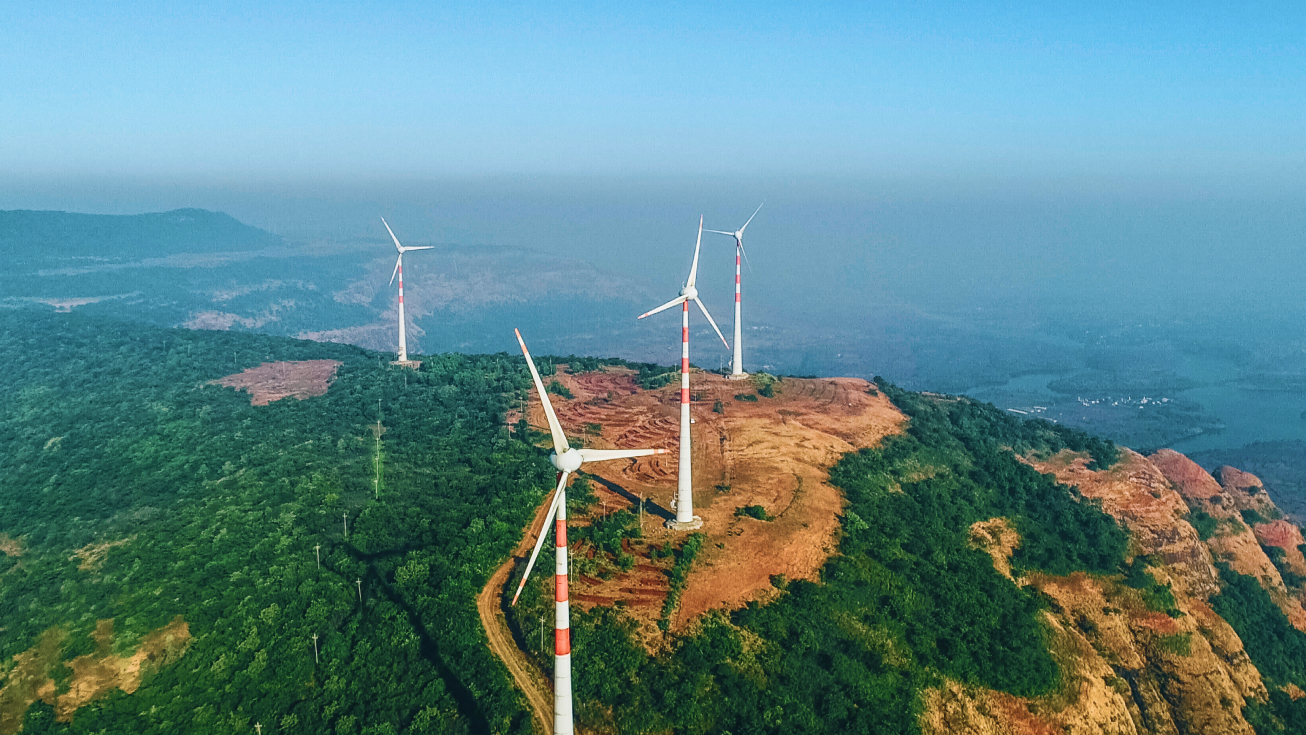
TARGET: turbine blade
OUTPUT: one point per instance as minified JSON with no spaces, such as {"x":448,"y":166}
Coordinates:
{"x":674,"y":302}
{"x":713,"y":323}
{"x":398,"y":247}
{"x":544,"y":533}
{"x":560,"y":444}
{"x":420,"y":247}
{"x":750,"y":219}
{"x":693,"y":269}
{"x":745,"y":252}
{"x":599,"y":455}
{"x":721,"y":232}
{"x":394,"y":273}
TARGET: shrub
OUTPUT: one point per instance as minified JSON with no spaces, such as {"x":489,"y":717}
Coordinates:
{"x":752,"y":511}
{"x":1204,"y":523}
{"x":1251,"y":517}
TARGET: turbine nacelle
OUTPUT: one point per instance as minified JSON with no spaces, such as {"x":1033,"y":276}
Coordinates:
{"x":689,"y":292}
{"x":568,"y":461}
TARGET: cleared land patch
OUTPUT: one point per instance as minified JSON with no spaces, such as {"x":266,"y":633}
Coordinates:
{"x":273,"y":381}
{"x":10,"y":546}
{"x":92,"y":555}
{"x":94,"y":675}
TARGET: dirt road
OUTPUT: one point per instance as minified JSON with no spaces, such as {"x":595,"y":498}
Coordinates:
{"x":528,"y":678}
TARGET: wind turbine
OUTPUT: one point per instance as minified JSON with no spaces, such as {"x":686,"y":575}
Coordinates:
{"x":737,"y":362}
{"x":567,"y":461}
{"x":685,"y":518}
{"x":399,"y":271}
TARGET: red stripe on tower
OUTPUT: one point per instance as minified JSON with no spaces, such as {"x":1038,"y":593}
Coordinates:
{"x":562,"y":641}
{"x":560,"y":587}
{"x":560,"y":527}
{"x":684,"y":395}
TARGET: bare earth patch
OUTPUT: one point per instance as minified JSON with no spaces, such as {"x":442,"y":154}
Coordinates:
{"x":775,"y":453}
{"x":94,"y":675}
{"x":93,"y":555}
{"x":997,"y":538}
{"x":273,"y":381}
{"x":10,"y":546}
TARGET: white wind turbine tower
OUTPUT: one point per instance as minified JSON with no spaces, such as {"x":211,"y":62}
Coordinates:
{"x":567,"y":460}
{"x":399,"y":271}
{"x":685,"y":518}
{"x":737,"y":362}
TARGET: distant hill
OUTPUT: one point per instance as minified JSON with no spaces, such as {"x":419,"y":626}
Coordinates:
{"x":28,"y":233}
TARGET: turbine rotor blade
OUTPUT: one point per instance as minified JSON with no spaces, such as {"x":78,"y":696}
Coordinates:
{"x":600,"y":455}
{"x":420,"y":247}
{"x":713,"y":323}
{"x":693,"y":269}
{"x":398,"y":260}
{"x":745,"y":252}
{"x":398,"y":247}
{"x":544,"y":533}
{"x":750,"y":219}
{"x":721,"y":232}
{"x":560,"y":444}
{"x":674,"y":302}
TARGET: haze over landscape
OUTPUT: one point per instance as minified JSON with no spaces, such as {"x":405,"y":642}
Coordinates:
{"x":1088,"y":215}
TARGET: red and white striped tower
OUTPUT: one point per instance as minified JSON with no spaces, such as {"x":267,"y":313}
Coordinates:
{"x":685,"y":518}
{"x":399,"y":273}
{"x":403,"y":336}
{"x":562,"y":724}
{"x":737,"y":361}
{"x":685,"y":477}
{"x":567,"y":460}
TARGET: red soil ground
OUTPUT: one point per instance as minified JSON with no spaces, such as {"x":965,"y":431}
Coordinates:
{"x":775,"y":453}
{"x":273,"y":381}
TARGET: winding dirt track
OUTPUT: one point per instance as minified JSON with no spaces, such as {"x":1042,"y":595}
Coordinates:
{"x":501,"y":643}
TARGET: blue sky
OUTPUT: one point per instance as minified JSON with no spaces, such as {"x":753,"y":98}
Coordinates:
{"x":1159,"y":92}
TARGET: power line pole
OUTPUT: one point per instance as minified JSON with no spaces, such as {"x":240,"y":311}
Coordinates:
{"x":346,"y":517}
{"x":318,"y":549}
{"x":315,"y":660}
{"x":359,"y":582}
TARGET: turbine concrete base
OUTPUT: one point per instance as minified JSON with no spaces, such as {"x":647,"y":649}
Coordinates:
{"x":414,"y":364}
{"x":738,"y":376}
{"x":693,"y":525}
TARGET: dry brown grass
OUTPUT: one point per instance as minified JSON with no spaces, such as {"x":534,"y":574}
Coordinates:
{"x":10,"y":546}
{"x":93,"y":555}
{"x":997,"y":538}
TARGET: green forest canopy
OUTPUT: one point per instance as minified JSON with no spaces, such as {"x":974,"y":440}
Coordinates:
{"x":224,"y":503}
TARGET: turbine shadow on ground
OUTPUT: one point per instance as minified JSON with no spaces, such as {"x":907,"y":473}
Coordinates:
{"x":649,"y":505}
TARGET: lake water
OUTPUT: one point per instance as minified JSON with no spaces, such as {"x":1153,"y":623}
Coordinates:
{"x":1249,"y":415}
